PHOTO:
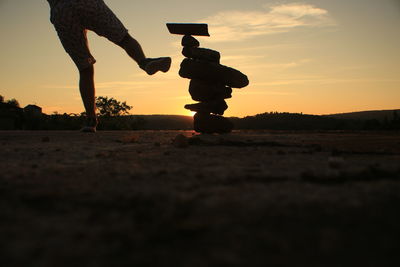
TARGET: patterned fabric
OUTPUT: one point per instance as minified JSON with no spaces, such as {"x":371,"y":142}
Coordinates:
{"x":53,"y":2}
{"x":72,"y":19}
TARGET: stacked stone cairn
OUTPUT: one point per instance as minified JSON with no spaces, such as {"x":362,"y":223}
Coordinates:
{"x":210,"y":84}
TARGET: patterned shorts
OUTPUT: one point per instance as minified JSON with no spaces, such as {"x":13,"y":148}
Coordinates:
{"x":72,"y":19}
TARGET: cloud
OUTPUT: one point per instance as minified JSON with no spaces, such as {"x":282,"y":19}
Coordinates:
{"x":121,"y":85}
{"x":319,"y":81}
{"x":237,"y":25}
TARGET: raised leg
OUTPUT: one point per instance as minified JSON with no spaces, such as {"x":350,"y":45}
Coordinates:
{"x":132,"y":48}
{"x":149,"y":65}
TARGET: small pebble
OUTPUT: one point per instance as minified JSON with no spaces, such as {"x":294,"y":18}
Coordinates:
{"x":335,"y":162}
{"x":128,"y":139}
{"x":180,"y":141}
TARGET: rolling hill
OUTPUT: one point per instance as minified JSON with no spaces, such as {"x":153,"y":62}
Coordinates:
{"x":380,"y":115}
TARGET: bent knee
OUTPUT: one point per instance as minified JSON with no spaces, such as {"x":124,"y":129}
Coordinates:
{"x":87,"y":71}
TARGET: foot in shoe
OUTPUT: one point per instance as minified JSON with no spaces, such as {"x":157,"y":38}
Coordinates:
{"x":153,"y":65}
{"x":90,"y":127}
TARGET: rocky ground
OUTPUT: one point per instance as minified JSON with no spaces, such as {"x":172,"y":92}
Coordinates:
{"x":154,"y":199}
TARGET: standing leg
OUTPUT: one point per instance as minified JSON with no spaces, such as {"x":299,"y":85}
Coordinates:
{"x":87,"y":89}
{"x":88,"y":94}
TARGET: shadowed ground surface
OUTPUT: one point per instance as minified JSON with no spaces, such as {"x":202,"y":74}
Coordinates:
{"x":245,"y":199}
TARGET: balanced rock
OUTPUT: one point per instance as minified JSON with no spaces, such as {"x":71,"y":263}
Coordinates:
{"x":190,"y":41}
{"x":206,"y":123}
{"x":208,"y":71}
{"x":202,"y":54}
{"x":216,"y":107}
{"x":205,"y":91}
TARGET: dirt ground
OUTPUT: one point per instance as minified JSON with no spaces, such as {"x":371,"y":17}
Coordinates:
{"x":251,"y":198}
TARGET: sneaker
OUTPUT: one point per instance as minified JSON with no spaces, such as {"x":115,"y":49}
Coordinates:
{"x":153,"y":65}
{"x":90,"y":127}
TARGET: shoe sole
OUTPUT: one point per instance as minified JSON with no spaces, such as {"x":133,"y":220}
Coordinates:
{"x":88,"y":129}
{"x":163,"y":64}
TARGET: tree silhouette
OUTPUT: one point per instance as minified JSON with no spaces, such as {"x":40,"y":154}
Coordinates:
{"x":14,"y":102}
{"x":109,"y":107}
{"x":1,"y":99}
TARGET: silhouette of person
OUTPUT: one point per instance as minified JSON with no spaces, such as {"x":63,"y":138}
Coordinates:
{"x":71,"y":20}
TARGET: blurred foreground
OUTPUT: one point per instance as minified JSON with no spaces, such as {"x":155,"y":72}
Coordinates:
{"x":251,"y":198}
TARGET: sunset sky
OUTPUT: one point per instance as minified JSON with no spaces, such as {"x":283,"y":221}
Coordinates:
{"x":312,"y":56}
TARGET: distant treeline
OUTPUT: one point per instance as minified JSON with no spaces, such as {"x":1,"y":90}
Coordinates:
{"x":266,"y":121}
{"x":110,"y":123}
{"x":298,"y":121}
{"x":23,"y":120}
{"x":114,"y":115}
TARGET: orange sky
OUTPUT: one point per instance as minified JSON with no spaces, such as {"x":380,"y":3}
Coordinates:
{"x":315,"y":57}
